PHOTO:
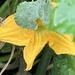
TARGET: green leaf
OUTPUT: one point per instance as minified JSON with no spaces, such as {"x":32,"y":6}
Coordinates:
{"x":13,"y":6}
{"x":63,"y":17}
{"x":28,"y":12}
{"x":64,"y":65}
{"x":65,"y":12}
{"x":44,"y":61}
{"x":6,"y":48}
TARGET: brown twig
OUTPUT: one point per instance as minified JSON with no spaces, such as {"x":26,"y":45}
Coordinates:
{"x":6,"y":65}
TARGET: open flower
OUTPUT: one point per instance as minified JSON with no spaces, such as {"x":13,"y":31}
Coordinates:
{"x":35,"y":40}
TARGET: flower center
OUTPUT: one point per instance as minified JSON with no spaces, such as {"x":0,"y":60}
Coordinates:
{"x":40,"y":25}
{"x":39,"y":22}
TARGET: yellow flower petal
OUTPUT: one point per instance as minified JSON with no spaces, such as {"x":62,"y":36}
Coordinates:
{"x":69,"y":37}
{"x":10,"y":32}
{"x":34,"y":47}
{"x":61,"y":44}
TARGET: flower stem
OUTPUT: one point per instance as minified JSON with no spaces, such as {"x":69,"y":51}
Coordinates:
{"x":44,"y":62}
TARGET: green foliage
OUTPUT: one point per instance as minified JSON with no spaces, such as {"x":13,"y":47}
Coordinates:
{"x":5,"y":52}
{"x":44,"y":61}
{"x":63,"y":18}
{"x":13,"y":6}
{"x":8,"y":7}
{"x":28,"y":12}
{"x":6,"y":48}
{"x":64,"y":65}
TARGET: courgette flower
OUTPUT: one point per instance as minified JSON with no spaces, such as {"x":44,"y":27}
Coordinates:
{"x":35,"y":40}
